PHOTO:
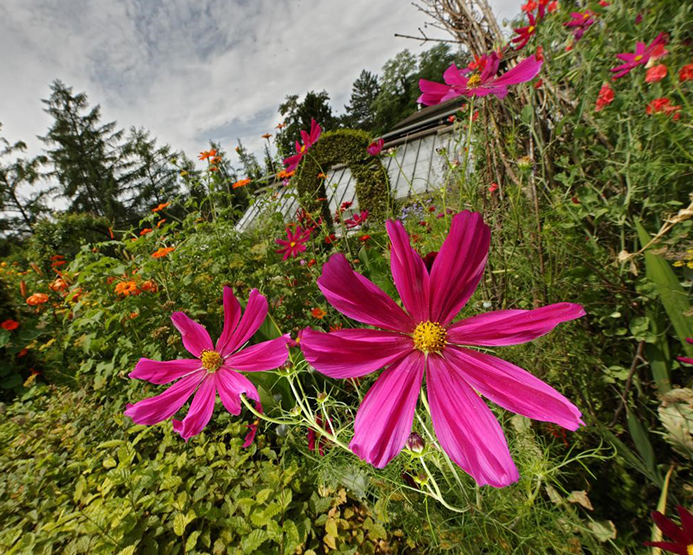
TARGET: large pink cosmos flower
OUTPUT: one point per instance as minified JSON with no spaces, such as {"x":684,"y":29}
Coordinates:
{"x":478,"y":79}
{"x":294,"y":243}
{"x":214,"y":368}
{"x":423,"y":339}
{"x":640,"y":57}
{"x":309,"y":139}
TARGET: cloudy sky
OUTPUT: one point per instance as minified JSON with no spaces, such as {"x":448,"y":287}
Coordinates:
{"x":194,"y":70}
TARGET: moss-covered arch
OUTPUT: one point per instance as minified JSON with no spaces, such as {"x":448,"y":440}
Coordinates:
{"x":345,"y":146}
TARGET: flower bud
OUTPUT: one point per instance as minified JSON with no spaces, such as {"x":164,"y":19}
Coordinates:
{"x":415,"y":443}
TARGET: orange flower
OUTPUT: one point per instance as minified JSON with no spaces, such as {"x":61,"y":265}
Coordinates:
{"x":280,"y":126}
{"x":22,"y":288}
{"x":58,"y":284}
{"x":57,"y":263}
{"x":312,"y":262}
{"x":37,"y":298}
{"x":285,"y":174}
{"x":267,"y":136}
{"x":57,"y":257}
{"x":23,"y":352}
{"x":161,"y":206}
{"x":319,"y":313}
{"x":9,"y":324}
{"x":206,"y":154}
{"x":149,"y":286}
{"x":146,"y":230}
{"x":322,"y":176}
{"x":241,"y":183}
{"x":125,"y":288}
{"x":336,"y":327}
{"x":110,"y":233}
{"x":76,"y":294}
{"x":163,"y":251}
{"x":161,"y":222}
{"x":133,"y":315}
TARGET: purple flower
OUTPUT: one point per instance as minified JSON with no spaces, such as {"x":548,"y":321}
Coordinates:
{"x":215,"y":369}
{"x":580,"y":22}
{"x":423,"y":339}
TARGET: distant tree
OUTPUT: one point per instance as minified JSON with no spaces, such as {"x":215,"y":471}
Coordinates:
{"x":152,"y":177}
{"x":87,"y":156}
{"x":251,"y":167}
{"x":298,"y":115}
{"x":360,"y":112}
{"x":19,"y":212}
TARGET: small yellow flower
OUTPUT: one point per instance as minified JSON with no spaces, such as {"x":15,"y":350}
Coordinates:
{"x":690,"y":264}
{"x":678,"y":263}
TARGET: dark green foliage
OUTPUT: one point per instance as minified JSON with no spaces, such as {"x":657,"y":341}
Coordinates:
{"x":346,"y":146}
{"x":360,"y":112}
{"x":87,"y":156}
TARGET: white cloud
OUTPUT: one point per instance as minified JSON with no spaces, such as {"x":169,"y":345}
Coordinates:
{"x":192,"y":71}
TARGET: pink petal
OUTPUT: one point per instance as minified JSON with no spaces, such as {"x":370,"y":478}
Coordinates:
{"x":360,"y":299}
{"x":511,"y":327}
{"x":195,"y":336}
{"x":466,"y":428}
{"x":525,"y":71}
{"x":459,"y":266}
{"x":253,"y":317}
{"x":155,"y":409}
{"x":159,"y":372}
{"x":230,"y":385}
{"x":200,"y":411}
{"x":267,"y":355}
{"x":353,"y":353}
{"x":513,"y":388}
{"x":384,"y":419}
{"x":432,"y":92}
{"x":408,"y":272}
{"x":232,"y":314}
{"x":455,"y":77}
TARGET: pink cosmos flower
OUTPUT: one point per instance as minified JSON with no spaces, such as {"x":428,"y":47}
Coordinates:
{"x":375,"y":147}
{"x":478,"y":79}
{"x":309,"y":139}
{"x":524,"y":34}
{"x":687,"y":360}
{"x":294,"y":243}
{"x":580,"y":22}
{"x":640,"y":57}
{"x":423,"y":339}
{"x":357,"y":219}
{"x":214,"y":368}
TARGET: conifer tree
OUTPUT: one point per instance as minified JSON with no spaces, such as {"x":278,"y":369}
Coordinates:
{"x":360,"y":112}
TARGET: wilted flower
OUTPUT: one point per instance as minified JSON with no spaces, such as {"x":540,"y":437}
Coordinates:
{"x":478,"y":79}
{"x":426,"y":339}
{"x":215,"y":369}
{"x":58,"y":284}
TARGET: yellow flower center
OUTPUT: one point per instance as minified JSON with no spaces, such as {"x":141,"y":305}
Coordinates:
{"x":292,"y":244}
{"x":211,"y":360}
{"x":531,"y":29}
{"x":689,"y":549}
{"x":473,"y":81}
{"x":637,"y":59}
{"x":430,"y":337}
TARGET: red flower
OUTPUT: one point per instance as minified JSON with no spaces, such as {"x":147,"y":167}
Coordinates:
{"x":9,"y":324}
{"x":493,"y":188}
{"x":682,"y":536}
{"x":538,"y":84}
{"x":656,"y":73}
{"x":357,"y":219}
{"x":539,"y":54}
{"x":686,"y":73}
{"x":663,"y":106}
{"x":605,"y":97}
{"x":524,"y":34}
{"x":329,"y":239}
{"x":364,"y":238}
{"x":553,"y":6}
{"x":530,"y":6}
